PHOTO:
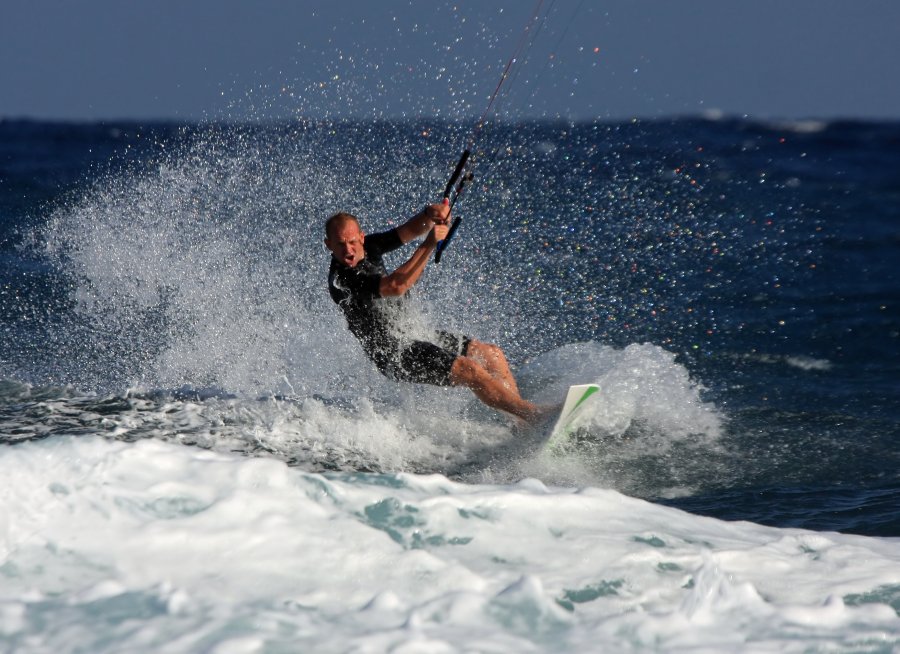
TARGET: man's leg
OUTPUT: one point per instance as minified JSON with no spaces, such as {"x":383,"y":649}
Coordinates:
{"x":494,"y":361}
{"x":493,"y":391}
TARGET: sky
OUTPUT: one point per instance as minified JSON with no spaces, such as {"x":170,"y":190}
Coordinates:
{"x":579,"y":60}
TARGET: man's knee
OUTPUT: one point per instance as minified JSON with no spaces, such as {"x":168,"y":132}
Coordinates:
{"x":467,"y":371}
{"x":484,"y":351}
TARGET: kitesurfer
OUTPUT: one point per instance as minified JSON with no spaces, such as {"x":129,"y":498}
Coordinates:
{"x":373,"y":302}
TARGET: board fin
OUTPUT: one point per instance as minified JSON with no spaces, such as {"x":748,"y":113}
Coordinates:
{"x":572,"y":408}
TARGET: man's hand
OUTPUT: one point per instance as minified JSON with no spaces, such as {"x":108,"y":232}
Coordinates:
{"x":424,"y":221}
{"x":437,"y":233}
{"x":402,"y":279}
{"x":439,"y":213}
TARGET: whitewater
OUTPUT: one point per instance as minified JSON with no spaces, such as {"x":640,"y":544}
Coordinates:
{"x":152,"y":546}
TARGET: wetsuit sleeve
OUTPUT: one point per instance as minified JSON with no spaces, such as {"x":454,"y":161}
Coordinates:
{"x":383,"y":241}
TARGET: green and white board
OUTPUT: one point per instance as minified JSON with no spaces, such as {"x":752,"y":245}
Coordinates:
{"x":576,"y":399}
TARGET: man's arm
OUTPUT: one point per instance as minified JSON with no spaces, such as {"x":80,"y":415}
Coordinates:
{"x":405,"y":277}
{"x":422,"y":222}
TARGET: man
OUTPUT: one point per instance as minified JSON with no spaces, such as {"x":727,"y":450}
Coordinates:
{"x":372,"y":299}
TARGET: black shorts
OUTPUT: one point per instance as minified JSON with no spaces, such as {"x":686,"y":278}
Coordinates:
{"x":423,"y":362}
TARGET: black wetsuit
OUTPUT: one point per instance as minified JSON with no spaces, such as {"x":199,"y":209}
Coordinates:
{"x":369,"y":317}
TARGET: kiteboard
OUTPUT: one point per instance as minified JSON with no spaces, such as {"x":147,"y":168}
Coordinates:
{"x":574,"y":405}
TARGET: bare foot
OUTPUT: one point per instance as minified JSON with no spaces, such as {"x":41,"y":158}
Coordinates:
{"x":543,"y":412}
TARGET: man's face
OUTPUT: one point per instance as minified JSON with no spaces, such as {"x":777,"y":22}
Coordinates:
{"x":346,"y":243}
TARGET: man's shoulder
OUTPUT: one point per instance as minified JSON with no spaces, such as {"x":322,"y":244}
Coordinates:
{"x":334,"y":269}
{"x":382,"y":242}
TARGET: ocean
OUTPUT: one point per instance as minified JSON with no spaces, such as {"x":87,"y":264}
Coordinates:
{"x":197,"y":456}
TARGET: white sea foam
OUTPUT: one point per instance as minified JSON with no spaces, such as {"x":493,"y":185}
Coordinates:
{"x":639,"y":383}
{"x":646,"y":427}
{"x":809,"y":363}
{"x":801,"y":126}
{"x":805,"y":363}
{"x":109,"y":546}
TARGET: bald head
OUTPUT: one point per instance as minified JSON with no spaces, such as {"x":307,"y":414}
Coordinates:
{"x":337,"y":222}
{"x":345,"y":239}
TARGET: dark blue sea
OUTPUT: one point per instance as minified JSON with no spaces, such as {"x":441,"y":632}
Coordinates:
{"x":732,"y":285}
